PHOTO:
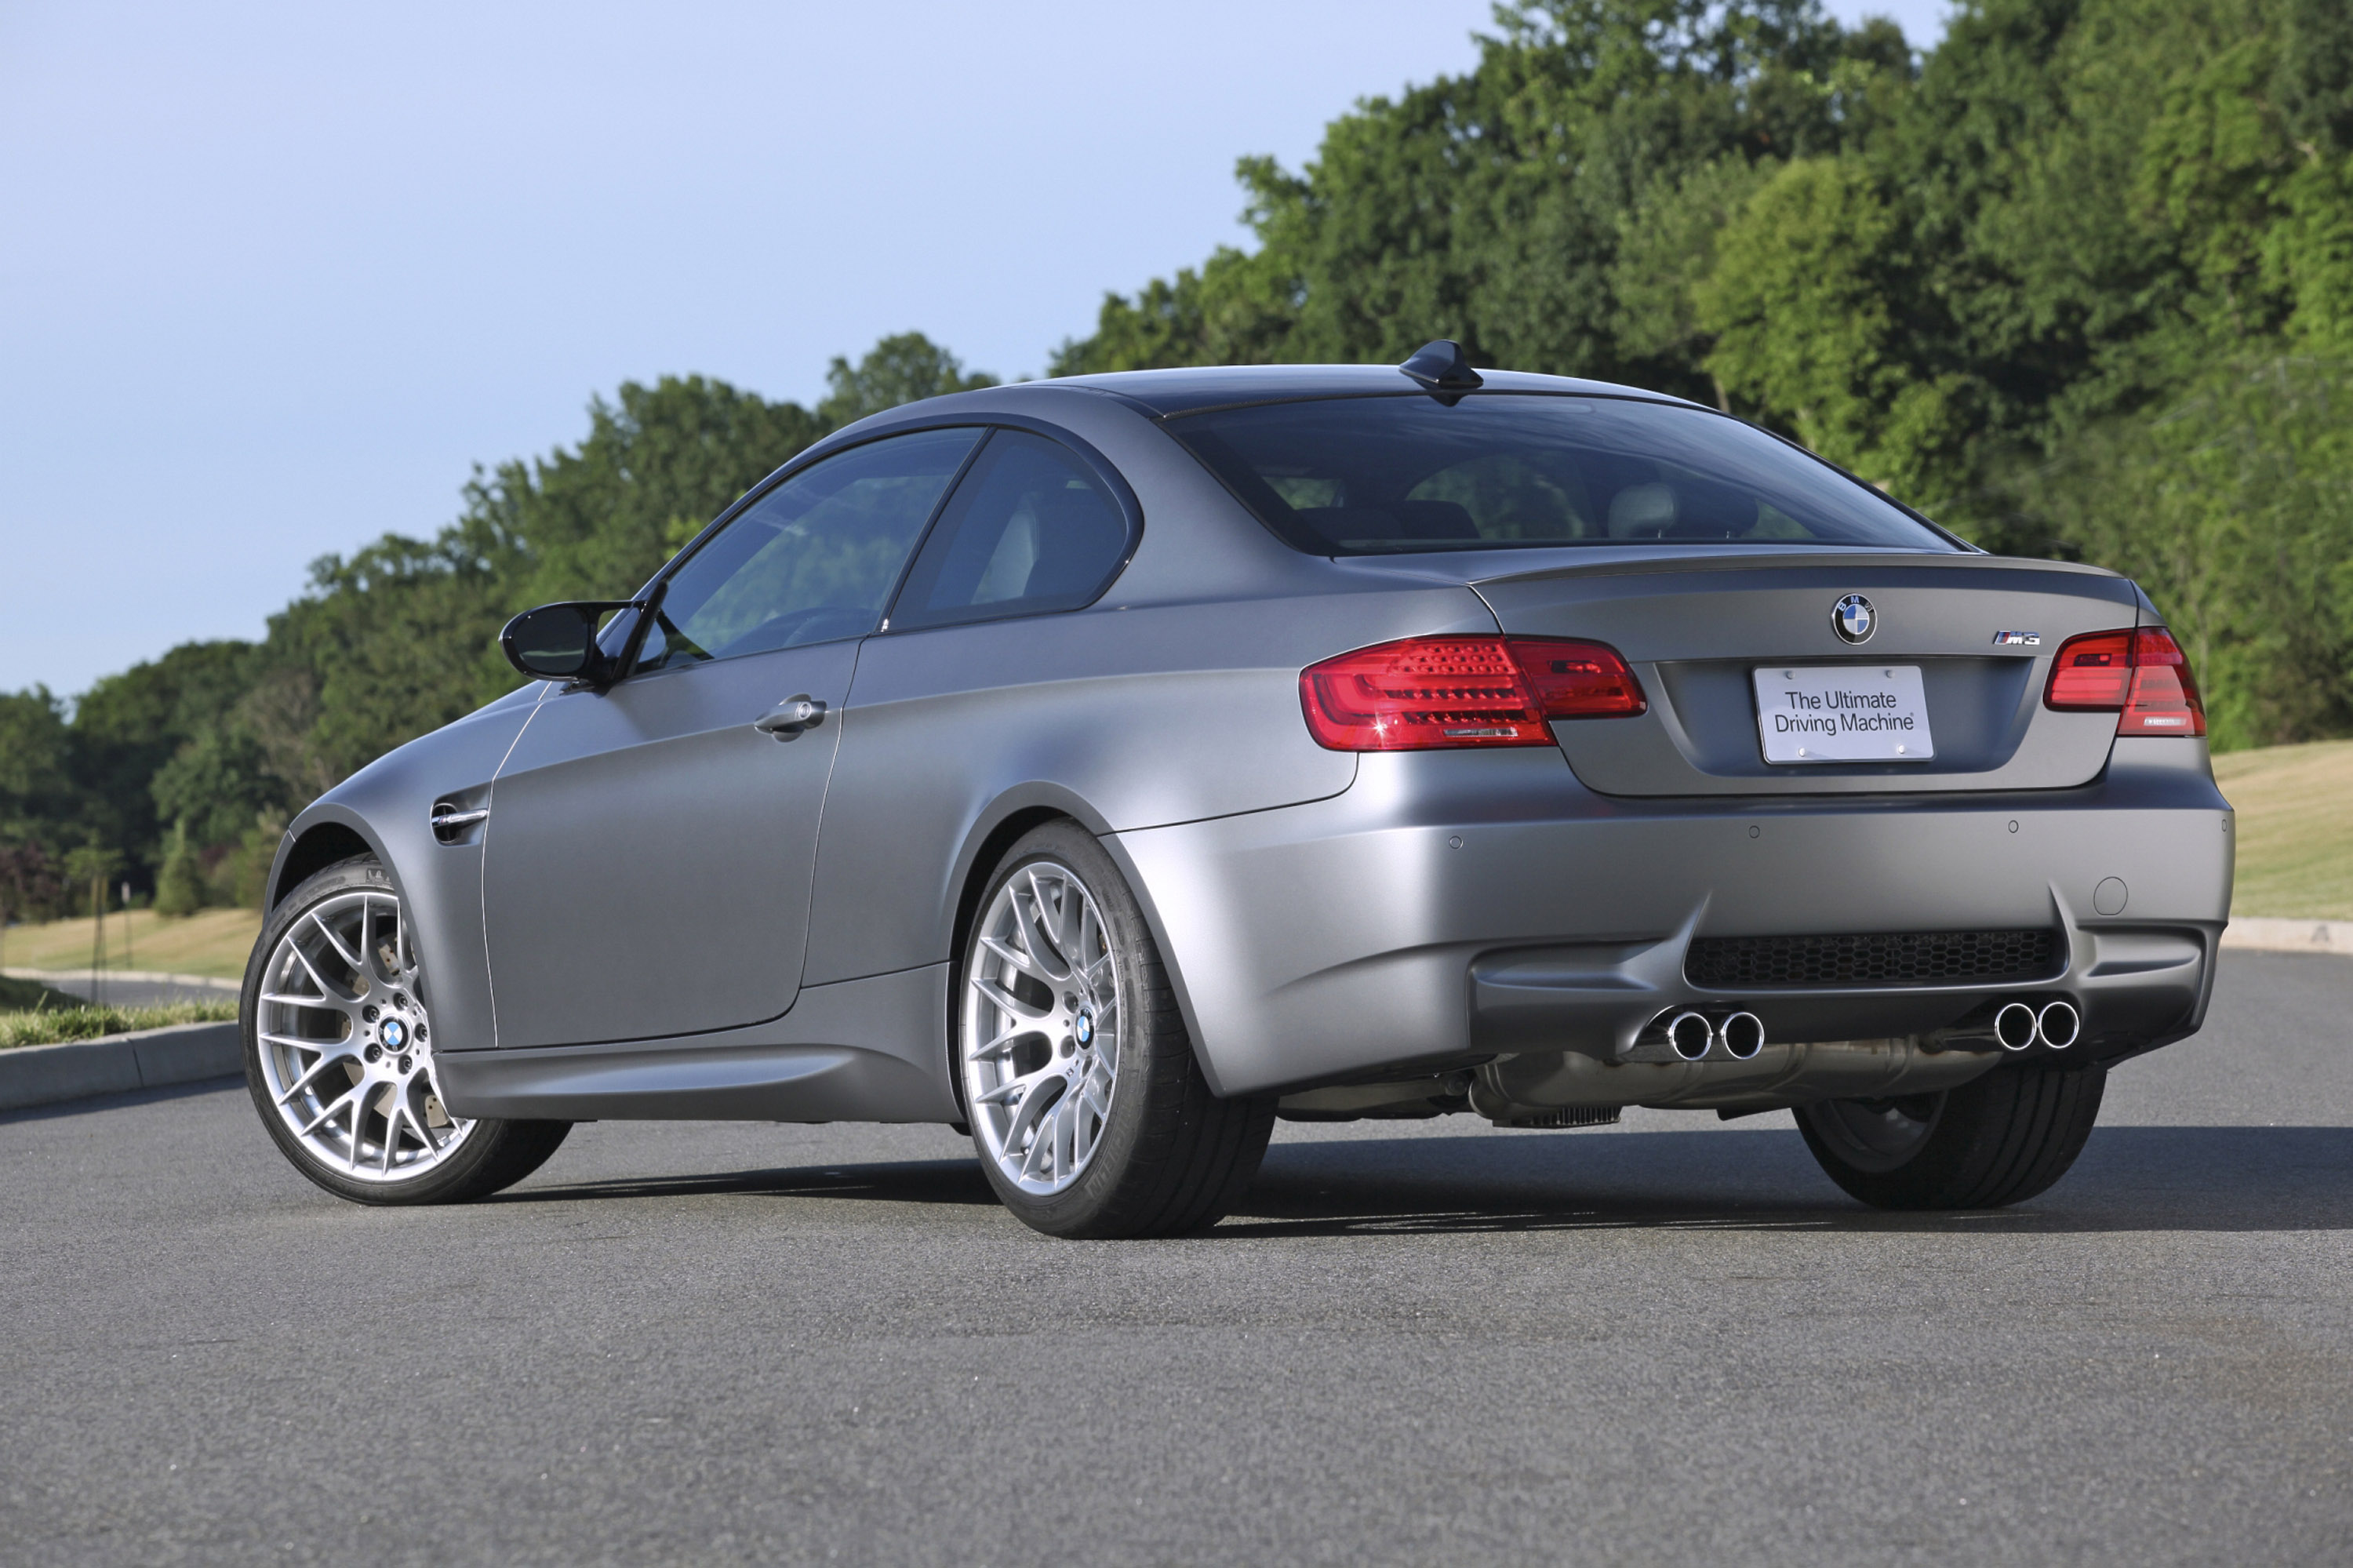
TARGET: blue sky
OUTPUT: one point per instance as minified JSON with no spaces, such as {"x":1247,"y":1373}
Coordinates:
{"x":273,"y":278}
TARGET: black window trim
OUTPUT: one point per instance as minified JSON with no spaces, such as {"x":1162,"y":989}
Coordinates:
{"x":1114,"y":483}
{"x":657,"y":586}
{"x":1123,"y":495}
{"x":1946,"y":534}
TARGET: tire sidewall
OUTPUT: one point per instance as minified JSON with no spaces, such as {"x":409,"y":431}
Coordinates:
{"x":1980,"y":1153}
{"x":450,"y":1175}
{"x":1146,"y":1038}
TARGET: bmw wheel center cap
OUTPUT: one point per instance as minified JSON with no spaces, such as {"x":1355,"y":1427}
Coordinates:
{"x":395,"y":1033}
{"x":1083,"y":1029}
{"x":1852,"y":620}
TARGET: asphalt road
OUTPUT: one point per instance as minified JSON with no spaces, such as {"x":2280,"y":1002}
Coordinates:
{"x":715,"y":1343}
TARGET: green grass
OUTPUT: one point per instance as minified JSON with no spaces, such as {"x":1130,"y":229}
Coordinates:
{"x":209,"y":942}
{"x":2296,"y":828}
{"x":53,"y":1025}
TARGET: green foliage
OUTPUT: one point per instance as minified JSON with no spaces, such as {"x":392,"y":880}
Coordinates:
{"x":1492,"y":207}
{"x":32,"y":883}
{"x":127,"y":727}
{"x":52,"y":1026}
{"x":180,"y":885}
{"x":902,"y":369}
{"x":2079,"y":280}
{"x":36,"y":778}
{"x":2233,"y":507}
{"x":227,"y":740}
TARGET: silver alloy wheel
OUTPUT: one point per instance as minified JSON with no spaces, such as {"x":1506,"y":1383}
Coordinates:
{"x":346,"y":1047}
{"x":1039,"y":1040}
{"x":1878,"y":1136}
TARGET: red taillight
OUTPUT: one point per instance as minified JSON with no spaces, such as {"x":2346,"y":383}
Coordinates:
{"x":2140,"y":675}
{"x":1431,"y":692}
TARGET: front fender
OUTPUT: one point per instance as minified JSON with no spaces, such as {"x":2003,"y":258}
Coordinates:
{"x":386,"y":807}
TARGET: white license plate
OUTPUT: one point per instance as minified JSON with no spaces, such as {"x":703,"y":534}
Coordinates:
{"x":1844,"y":713}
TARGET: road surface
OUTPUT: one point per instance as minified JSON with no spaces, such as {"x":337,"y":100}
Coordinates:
{"x":1421,"y":1344}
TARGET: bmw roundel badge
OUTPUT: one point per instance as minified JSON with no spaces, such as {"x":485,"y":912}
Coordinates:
{"x":1852,"y":620}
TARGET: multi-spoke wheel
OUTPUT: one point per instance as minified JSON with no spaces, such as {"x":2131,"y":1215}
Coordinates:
{"x":1091,"y":1116}
{"x":339,"y":1054}
{"x":1043,"y":1001}
{"x":1997,"y":1139}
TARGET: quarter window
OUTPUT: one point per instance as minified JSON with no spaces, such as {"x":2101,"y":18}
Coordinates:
{"x":1030,"y":529}
{"x":813,"y":559}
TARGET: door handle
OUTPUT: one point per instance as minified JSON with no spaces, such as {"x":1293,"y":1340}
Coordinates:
{"x":791,"y":716}
{"x":449,"y":822}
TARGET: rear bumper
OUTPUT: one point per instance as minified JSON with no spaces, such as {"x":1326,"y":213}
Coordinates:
{"x":1452,"y":907}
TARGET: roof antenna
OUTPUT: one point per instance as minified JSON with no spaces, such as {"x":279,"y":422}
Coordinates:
{"x":1443,"y":370}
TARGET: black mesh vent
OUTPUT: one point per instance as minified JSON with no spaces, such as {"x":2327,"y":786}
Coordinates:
{"x":1906,"y":958}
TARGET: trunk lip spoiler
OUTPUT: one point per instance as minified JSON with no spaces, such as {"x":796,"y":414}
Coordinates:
{"x":1849,"y":560}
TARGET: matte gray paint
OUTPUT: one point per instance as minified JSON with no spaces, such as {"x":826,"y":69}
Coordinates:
{"x":866,"y":1050}
{"x":1159,"y":713}
{"x":389,"y":804}
{"x":1320,"y":921}
{"x":1339,"y":938}
{"x":646,"y":863}
{"x":1694,"y":635}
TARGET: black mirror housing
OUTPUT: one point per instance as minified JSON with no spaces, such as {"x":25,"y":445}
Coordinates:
{"x":558,"y":641}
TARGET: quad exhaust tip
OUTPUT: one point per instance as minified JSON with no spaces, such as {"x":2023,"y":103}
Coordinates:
{"x":2015,"y":1027}
{"x":2059,"y":1024}
{"x":1693,"y":1035}
{"x":1690,"y":1034}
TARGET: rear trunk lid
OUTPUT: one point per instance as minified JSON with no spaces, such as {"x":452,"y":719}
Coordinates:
{"x":1696,"y":631}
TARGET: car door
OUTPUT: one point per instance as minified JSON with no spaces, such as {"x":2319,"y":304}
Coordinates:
{"x":947,"y":698}
{"x":649,"y":854}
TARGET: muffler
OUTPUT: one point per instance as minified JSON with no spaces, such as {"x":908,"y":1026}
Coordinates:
{"x":1690,"y":1034}
{"x":2059,"y":1024}
{"x":1743,"y":1036}
{"x":2016,"y":1025}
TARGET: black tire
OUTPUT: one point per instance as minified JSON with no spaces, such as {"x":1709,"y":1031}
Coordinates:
{"x":493,"y":1154}
{"x":1998,"y":1139}
{"x":1172,"y":1157}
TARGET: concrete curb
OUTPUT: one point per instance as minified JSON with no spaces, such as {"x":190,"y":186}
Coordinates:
{"x":47,"y":1075}
{"x":145,"y":977}
{"x":2273,"y":936}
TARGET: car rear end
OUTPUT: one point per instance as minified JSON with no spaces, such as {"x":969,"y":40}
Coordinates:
{"x":1726,"y":813}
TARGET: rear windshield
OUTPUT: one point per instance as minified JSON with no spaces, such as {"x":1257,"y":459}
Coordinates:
{"x":1375,"y":475}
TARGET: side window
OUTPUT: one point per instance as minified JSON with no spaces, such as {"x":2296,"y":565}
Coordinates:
{"x":813,"y":559}
{"x":1030,"y":529}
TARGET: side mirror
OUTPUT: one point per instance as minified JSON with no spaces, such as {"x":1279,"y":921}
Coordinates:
{"x":558,"y":641}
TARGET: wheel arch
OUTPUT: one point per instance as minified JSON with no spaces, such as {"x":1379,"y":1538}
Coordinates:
{"x":332,"y":835}
{"x":994,"y":833}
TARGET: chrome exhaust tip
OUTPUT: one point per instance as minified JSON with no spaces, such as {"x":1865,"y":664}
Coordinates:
{"x":1690,"y":1035}
{"x":2015,"y":1027}
{"x":2060,"y":1024}
{"x":1743,"y":1034}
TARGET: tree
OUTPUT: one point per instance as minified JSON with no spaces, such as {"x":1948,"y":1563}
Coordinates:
{"x":180,"y":885}
{"x":36,"y":778}
{"x":1491,"y":207}
{"x":128,"y":726}
{"x":903,"y":368}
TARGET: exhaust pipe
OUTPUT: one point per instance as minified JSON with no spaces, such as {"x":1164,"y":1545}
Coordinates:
{"x":2016,"y":1026}
{"x":1743,"y":1034}
{"x":1690,"y":1034}
{"x":2060,"y":1024}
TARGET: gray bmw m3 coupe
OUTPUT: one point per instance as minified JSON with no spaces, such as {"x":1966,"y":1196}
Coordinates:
{"x":1104,"y":767}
